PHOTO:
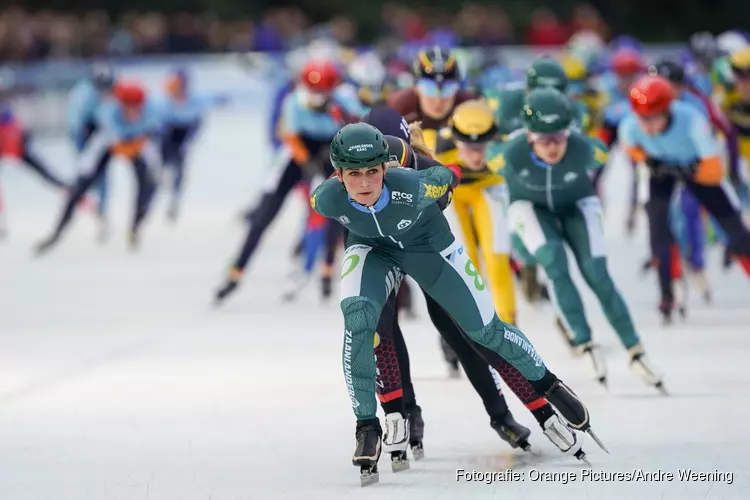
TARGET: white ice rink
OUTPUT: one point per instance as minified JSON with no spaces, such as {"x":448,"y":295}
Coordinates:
{"x":118,"y":381}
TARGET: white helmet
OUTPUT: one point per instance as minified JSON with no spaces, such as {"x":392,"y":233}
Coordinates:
{"x":367,"y":70}
{"x":319,"y":48}
{"x":586,"y":45}
{"x":731,"y":41}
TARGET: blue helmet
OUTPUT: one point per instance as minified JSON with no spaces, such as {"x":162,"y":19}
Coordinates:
{"x":627,"y":42}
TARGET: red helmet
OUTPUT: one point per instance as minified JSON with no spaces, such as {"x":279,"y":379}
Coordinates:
{"x":129,"y":93}
{"x":651,"y":95}
{"x":320,"y":76}
{"x":627,"y":62}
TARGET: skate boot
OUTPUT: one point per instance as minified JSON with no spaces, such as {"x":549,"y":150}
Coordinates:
{"x":510,"y":431}
{"x":702,"y":283}
{"x":567,"y":337}
{"x":367,"y":453}
{"x":642,"y":367}
{"x":173,"y":212}
{"x":727,"y":259}
{"x":529,"y":283}
{"x":454,"y":371}
{"x":416,"y":432}
{"x":593,"y":354}
{"x":326,"y":287}
{"x":134,"y":241}
{"x":102,"y":230}
{"x":230,"y":285}
{"x":396,"y":441}
{"x":666,"y":307}
{"x":564,"y":438}
{"x":572,"y":409}
{"x":296,"y":282}
{"x":681,"y":296}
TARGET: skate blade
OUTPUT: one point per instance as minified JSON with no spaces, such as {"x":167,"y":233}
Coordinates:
{"x":581,"y":455}
{"x":662,"y":390}
{"x":366,"y":478}
{"x":597,"y":440}
{"x":417,"y":452}
{"x":400,"y":464}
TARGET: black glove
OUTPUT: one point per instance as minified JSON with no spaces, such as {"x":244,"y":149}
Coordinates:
{"x":657,"y":167}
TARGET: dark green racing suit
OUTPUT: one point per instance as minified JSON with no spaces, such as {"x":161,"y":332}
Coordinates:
{"x":551,"y":205}
{"x":405,"y":232}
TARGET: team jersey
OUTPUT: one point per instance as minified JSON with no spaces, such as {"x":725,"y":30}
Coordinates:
{"x":556,"y":187}
{"x":406,"y":102}
{"x":406,"y":216}
{"x":447,"y":154}
{"x":686,"y":140}
{"x":298,"y":118}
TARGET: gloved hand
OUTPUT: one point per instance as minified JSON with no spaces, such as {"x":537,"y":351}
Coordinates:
{"x":457,"y":173}
{"x":658,"y":168}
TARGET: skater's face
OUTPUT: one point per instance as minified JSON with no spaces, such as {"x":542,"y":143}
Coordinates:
{"x":364,"y":185}
{"x":626,"y":80}
{"x":472,"y":155}
{"x":550,"y":148}
{"x":742,"y":84}
{"x":131,"y":113}
{"x":436,"y":100}
{"x":653,"y":124}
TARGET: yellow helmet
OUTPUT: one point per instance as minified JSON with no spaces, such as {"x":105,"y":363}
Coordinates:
{"x":473,"y":121}
{"x":575,"y":68}
{"x":740,"y":61}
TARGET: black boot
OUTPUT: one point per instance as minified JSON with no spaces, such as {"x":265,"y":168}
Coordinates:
{"x":416,"y":431}
{"x":367,"y":452}
{"x":513,"y":433}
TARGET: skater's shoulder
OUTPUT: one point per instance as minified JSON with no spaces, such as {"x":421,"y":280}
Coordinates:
{"x":326,"y":195}
{"x":587,"y":149}
{"x":445,"y":147}
{"x":516,"y":144}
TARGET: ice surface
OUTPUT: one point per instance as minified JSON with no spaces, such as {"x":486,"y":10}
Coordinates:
{"x":118,"y":381}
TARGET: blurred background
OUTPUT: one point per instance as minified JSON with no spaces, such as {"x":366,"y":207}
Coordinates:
{"x":41,"y":30}
{"x":46,"y":46}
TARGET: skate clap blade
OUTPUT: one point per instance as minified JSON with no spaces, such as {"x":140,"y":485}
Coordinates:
{"x":572,"y":409}
{"x":416,"y":432}
{"x":510,"y":431}
{"x":596,"y":361}
{"x":367,"y":452}
{"x":564,"y":437}
{"x":396,"y":441}
{"x":641,"y":366}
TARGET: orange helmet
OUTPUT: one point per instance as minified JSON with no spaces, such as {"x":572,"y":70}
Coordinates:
{"x":320,"y":76}
{"x":627,"y":62}
{"x":129,"y":93}
{"x":651,"y":95}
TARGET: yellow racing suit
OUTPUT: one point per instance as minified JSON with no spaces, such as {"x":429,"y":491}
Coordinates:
{"x":477,"y":215}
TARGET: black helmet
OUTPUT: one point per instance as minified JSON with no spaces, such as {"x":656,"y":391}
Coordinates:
{"x":669,"y":69}
{"x":437,"y":64}
{"x":103,"y":77}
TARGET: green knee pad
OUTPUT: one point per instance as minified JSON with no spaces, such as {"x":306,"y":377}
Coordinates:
{"x":360,"y":322}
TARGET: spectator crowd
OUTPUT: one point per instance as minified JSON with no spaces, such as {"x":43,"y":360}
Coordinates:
{"x":30,"y":36}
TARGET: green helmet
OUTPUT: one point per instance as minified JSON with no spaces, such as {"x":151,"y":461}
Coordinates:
{"x":546,"y":72}
{"x":547,"y":111}
{"x":358,"y":145}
